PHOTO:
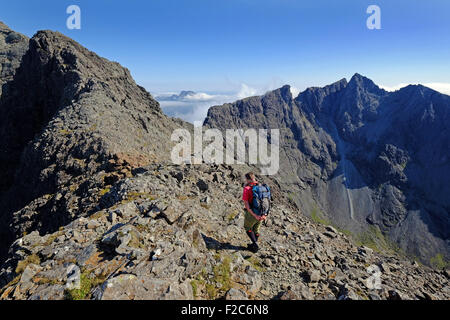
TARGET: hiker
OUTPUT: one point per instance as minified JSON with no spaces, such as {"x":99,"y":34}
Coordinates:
{"x":256,"y":199}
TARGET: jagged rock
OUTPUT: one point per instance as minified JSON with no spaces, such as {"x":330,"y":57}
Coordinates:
{"x":374,"y":296}
{"x":12,"y":48}
{"x":174,"y":211}
{"x":288,"y":295}
{"x":86,"y":254}
{"x":348,"y":294}
{"x":331,"y":229}
{"x":236,"y":294}
{"x":253,"y":279}
{"x":28,"y":274}
{"x":313,"y":276}
{"x":385,"y":267}
{"x":130,"y":287}
{"x":202,"y":185}
{"x":394,"y":295}
{"x":52,"y":292}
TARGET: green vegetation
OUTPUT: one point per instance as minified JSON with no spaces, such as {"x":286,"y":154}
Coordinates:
{"x":439,"y":262}
{"x":97,"y":215}
{"x":374,"y":239}
{"x":52,"y":238}
{"x":84,"y":290}
{"x":222,"y":274}
{"x":216,"y":284}
{"x":22,"y":265}
{"x":131,"y":196}
{"x":65,"y":132}
{"x":232,"y":215}
{"x":87,"y":283}
{"x":348,"y":233}
{"x":135,"y":242}
{"x":404,"y":164}
{"x":104,"y":191}
{"x":255,"y":263}
{"x":195,"y":284}
{"x":205,"y":206}
{"x":318,"y":217}
{"x":291,"y":196}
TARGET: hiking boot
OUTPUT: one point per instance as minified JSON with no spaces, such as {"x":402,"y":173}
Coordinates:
{"x":253,"y":247}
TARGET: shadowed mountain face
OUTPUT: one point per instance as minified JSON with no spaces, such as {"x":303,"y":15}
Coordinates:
{"x":72,"y":123}
{"x":12,"y":47}
{"x":361,"y":157}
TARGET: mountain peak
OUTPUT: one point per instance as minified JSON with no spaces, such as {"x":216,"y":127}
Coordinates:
{"x":360,"y":81}
{"x":72,"y":104}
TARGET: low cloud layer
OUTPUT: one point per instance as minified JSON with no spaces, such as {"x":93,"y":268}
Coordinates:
{"x":441,"y":87}
{"x":193,"y":106}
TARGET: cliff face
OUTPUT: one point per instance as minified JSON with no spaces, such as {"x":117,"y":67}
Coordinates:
{"x":361,"y":157}
{"x":72,"y":123}
{"x":12,"y":47}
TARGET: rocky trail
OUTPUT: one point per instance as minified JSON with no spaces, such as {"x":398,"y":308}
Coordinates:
{"x":172,"y":232}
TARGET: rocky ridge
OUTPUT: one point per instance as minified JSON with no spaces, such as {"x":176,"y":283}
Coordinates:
{"x":175,"y":232}
{"x":72,"y":123}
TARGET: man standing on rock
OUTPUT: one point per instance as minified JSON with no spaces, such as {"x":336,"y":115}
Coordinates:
{"x":252,"y":219}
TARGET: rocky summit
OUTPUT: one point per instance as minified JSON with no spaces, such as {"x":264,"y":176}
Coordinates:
{"x":72,"y":123}
{"x":91,"y":208}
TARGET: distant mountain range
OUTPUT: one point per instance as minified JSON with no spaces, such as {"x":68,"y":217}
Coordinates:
{"x":372,"y":162}
{"x":176,"y":97}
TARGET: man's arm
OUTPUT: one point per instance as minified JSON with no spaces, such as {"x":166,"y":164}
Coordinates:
{"x":247,"y":206}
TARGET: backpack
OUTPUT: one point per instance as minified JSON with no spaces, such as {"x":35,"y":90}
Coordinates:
{"x":261,"y":199}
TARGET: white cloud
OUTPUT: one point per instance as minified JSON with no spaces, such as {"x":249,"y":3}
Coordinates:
{"x":246,"y":92}
{"x":194,"y":106}
{"x":295,"y":92}
{"x":200,"y":97}
{"x":442,"y":87}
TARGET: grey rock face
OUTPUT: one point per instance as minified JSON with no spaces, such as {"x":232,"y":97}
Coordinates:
{"x":361,"y":157}
{"x":72,"y":123}
{"x":13,"y":46}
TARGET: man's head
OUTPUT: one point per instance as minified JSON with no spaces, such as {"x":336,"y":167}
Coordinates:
{"x":250,"y":177}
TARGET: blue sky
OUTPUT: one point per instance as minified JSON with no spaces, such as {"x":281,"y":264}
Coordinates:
{"x":219,"y":45}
